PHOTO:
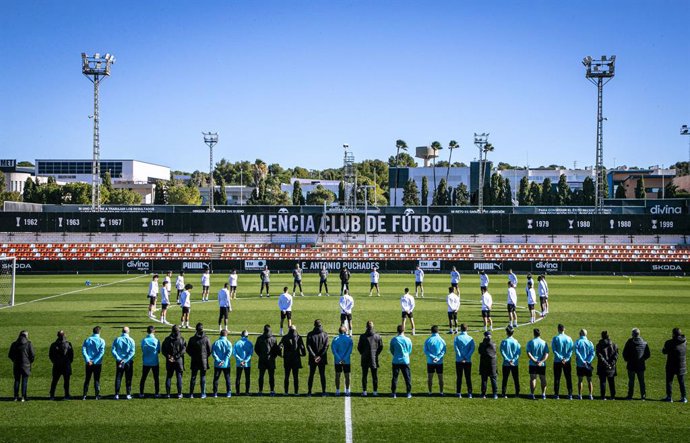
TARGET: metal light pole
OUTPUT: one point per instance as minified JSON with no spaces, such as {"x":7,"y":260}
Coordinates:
{"x":684,"y":130}
{"x":211,"y":139}
{"x":599,"y":72}
{"x":366,"y":208}
{"x":95,"y":68}
{"x":481,"y":141}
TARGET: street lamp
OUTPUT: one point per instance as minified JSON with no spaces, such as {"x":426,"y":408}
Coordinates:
{"x":599,"y":72}
{"x":482,"y":142}
{"x":211,"y":139}
{"x":399,"y":145}
{"x":95,"y":67}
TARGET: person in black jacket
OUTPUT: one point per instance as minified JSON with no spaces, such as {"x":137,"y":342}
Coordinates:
{"x":675,"y":364}
{"x":317,"y":346}
{"x":635,"y":353}
{"x":61,"y":354}
{"x":173,"y":349}
{"x":344,"y":279}
{"x":199,"y":349}
{"x":266,"y":348}
{"x":292,"y":349}
{"x":607,"y":357}
{"x":487,"y":364}
{"x":22,"y":355}
{"x":370,"y":347}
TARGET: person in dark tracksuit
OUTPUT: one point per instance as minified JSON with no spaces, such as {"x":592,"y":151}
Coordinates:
{"x":292,"y":349}
{"x":22,"y":356}
{"x":344,"y":279}
{"x":173,"y":349}
{"x":636,"y":352}
{"x":487,"y":364}
{"x":675,"y":350}
{"x":61,"y":354}
{"x":370,"y":346}
{"x":317,"y":347}
{"x":199,"y":349}
{"x":267,"y":350}
{"x":607,"y":357}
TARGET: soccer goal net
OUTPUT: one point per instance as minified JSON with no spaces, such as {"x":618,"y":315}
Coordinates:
{"x":7,"y":279}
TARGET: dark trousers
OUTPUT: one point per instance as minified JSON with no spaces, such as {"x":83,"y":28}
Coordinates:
{"x":510,"y":370}
{"x":567,"y":371}
{"x":264,"y":285}
{"x":295,"y":379}
{"x":322,"y":376}
{"x":95,"y":371}
{"x":171,"y":369}
{"x":271,"y":378}
{"x":374,"y":378}
{"x":669,"y":384}
{"x":612,"y":385}
{"x":156,"y":378}
{"x":238,"y":377}
{"x":460,"y":370}
{"x":343,"y":285}
{"x":128,"y":371}
{"x":631,"y":383}
{"x":57,"y":373}
{"x":323,"y":284}
{"x":494,"y":384}
{"x":20,"y":378}
{"x":216,"y":376}
{"x":202,"y":381}
{"x":297,"y":284}
{"x":406,"y":375}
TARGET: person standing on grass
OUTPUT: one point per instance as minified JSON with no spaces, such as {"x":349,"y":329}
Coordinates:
{"x":531,"y":301}
{"x":224,"y":307}
{"x":344,"y":279}
{"x":186,"y":303}
{"x":244,"y":349}
{"x":435,"y":350}
{"x":265,"y":277}
{"x":487,"y":364}
{"x":510,"y":351}
{"x":173,"y":349}
{"x":61,"y":355}
{"x":93,"y":350}
{"x":487,"y":304}
{"x":22,"y":356}
{"x":342,"y":350}
{"x":167,"y":278}
{"x":150,"y":348}
{"x":529,"y":283}
{"x":153,"y":295}
{"x":346,"y":305}
{"x":607,"y":357}
{"x":418,"y":282}
{"x":511,"y":304}
{"x":205,"y":284}
{"x":584,"y":355}
{"x":199,"y":349}
{"x":179,"y":285}
{"x":538,"y":353}
{"x":407,"y":305}
{"x":292,"y":349}
{"x":370,"y":346}
{"x":562,"y":347}
{"x":317,"y":347}
{"x":455,"y":280}
{"x":374,"y":282}
{"x":285,"y":306}
{"x":232,"y":280}
{"x":297,"y":280}
{"x":323,"y":280}
{"x":453,"y":302}
{"x":512,"y":278}
{"x":123,"y":350}
{"x":464,"y":348}
{"x":401,"y":348}
{"x":267,"y":350}
{"x":221,"y":352}
{"x":543,"y":295}
{"x":636,"y":353}
{"x":483,"y":280}
{"x":165,"y":302}
{"x":676,"y":367}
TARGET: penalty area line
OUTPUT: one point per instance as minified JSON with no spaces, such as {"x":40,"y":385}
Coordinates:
{"x":348,"y":420}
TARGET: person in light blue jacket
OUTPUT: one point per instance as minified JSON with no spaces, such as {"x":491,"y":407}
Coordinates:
{"x":123,"y":350}
{"x":341,"y":346}
{"x":150,"y":348}
{"x":510,"y":351}
{"x":464,"y":348}
{"x":435,"y":350}
{"x":584,"y":355}
{"x":538,"y":353}
{"x":93,"y":350}
{"x":400,"y":348}
{"x":244,"y":349}
{"x":222,"y":351}
{"x":562,"y":348}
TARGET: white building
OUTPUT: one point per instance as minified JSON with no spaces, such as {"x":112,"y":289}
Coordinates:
{"x":309,"y":184}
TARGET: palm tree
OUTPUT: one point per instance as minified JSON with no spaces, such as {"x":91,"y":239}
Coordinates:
{"x":451,"y":145}
{"x":399,"y":145}
{"x":436,"y":146}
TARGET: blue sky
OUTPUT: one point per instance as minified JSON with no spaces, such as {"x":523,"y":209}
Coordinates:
{"x":291,"y":81}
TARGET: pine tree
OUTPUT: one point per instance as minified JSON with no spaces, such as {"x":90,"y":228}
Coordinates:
{"x":425,"y":191}
{"x":640,"y":191}
{"x":410,"y":194}
{"x":441,"y":194}
{"x":507,"y":193}
{"x":620,"y":191}
{"x":546,"y":193}
{"x":562,"y":191}
{"x":220,"y":197}
{"x":587,"y":197}
{"x":160,"y":195}
{"x":29,"y":191}
{"x":523,"y":192}
{"x":297,"y":196}
{"x":341,"y":193}
{"x":462,"y":195}
{"x":534,"y":197}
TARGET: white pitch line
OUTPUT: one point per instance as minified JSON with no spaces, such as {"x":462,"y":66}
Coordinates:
{"x":72,"y":292}
{"x":348,"y":420}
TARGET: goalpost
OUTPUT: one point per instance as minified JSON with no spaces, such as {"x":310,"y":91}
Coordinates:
{"x":8,"y":267}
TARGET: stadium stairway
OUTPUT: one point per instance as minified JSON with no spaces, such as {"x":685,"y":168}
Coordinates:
{"x":477,"y":252}
{"x":216,"y":251}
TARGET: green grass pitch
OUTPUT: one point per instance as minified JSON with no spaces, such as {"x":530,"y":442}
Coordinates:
{"x":654,"y":304}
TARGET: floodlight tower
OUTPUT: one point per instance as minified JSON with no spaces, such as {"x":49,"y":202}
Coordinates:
{"x":684,"y":130}
{"x":481,"y":141}
{"x":211,"y":139}
{"x":95,"y":69}
{"x":349,"y":179}
{"x":599,"y":72}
